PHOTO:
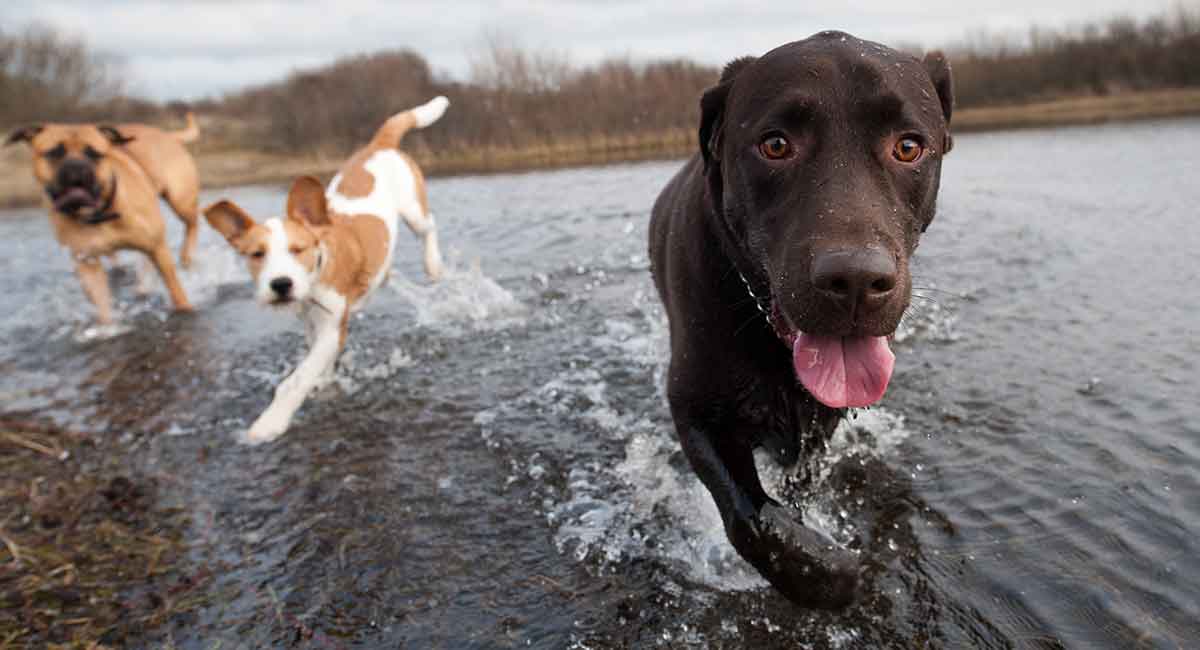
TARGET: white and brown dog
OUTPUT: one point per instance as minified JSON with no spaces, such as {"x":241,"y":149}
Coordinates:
{"x":332,"y":249}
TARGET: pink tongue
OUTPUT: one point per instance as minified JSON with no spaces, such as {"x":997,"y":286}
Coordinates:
{"x":843,"y":372}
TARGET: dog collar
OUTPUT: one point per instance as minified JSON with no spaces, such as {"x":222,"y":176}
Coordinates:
{"x":767,"y":310}
{"x":750,"y":290}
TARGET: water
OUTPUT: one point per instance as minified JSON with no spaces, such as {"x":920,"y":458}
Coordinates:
{"x":495,"y":465}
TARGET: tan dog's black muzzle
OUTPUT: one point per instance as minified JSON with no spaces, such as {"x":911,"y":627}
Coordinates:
{"x":78,"y":193}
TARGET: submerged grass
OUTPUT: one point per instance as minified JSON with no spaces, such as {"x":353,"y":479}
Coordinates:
{"x":88,"y":557}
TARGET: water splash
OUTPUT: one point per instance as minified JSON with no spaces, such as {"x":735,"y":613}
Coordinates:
{"x":463,"y":300}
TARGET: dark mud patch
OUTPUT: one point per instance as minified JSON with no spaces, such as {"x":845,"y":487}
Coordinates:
{"x":89,"y":556}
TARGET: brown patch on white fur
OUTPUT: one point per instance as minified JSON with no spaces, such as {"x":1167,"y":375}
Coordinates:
{"x":356,"y":181}
{"x":388,"y":136}
{"x":356,"y":246}
{"x":348,"y":253}
{"x":249,"y":238}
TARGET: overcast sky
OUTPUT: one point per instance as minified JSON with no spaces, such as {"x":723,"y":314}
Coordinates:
{"x":188,"y":49}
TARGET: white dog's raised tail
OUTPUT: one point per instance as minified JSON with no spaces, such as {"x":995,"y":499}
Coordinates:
{"x":430,"y":111}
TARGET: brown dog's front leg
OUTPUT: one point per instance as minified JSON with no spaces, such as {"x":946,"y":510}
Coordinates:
{"x":94,"y":279}
{"x":166,"y":268}
{"x":796,"y":560}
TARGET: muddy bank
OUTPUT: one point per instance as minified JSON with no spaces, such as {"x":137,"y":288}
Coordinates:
{"x":90,"y":555}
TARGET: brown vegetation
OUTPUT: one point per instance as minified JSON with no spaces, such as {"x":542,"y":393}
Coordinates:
{"x":87,"y":555}
{"x":523,"y":109}
{"x":47,"y":76}
{"x":1097,"y":59}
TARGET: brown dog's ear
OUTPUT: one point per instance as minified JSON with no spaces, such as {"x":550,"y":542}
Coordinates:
{"x":943,"y":82}
{"x":712,"y":109}
{"x":23,"y":134}
{"x":306,"y":202}
{"x":228,"y":219}
{"x":114,"y":136}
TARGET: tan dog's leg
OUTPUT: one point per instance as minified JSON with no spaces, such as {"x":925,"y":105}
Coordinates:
{"x":161,"y":256}
{"x":187,"y":207}
{"x":94,"y":279}
{"x":145,"y":279}
{"x":423,"y":226}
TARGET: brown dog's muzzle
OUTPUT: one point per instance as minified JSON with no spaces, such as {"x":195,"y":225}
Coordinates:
{"x":74,"y":187}
{"x":78,"y":193}
{"x":859,"y":281}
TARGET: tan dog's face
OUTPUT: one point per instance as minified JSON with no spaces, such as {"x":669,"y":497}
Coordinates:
{"x":283,"y":254}
{"x":71,"y":161}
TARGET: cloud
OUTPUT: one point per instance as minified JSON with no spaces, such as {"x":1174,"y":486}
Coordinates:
{"x":190,"y":49}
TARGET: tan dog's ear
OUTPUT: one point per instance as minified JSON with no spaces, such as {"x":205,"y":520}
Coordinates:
{"x":306,"y":202}
{"x":114,"y":136}
{"x":23,"y":134}
{"x":228,"y":219}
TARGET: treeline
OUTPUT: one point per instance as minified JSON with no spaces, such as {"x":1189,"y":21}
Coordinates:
{"x":46,"y":75}
{"x":515,"y":98}
{"x":1118,"y":55}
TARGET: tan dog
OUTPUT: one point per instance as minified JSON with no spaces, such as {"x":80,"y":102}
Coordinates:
{"x":172,"y":172}
{"x":332,"y":249}
{"x":101,"y":201}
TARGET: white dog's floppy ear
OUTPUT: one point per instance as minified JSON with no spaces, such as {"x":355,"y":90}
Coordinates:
{"x":228,"y":219}
{"x":306,"y":202}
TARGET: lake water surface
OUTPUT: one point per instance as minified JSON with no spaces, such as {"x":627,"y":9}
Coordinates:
{"x":496,"y":467}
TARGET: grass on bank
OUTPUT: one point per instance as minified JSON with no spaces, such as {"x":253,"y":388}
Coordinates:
{"x":88,"y":557}
{"x":225,"y":163}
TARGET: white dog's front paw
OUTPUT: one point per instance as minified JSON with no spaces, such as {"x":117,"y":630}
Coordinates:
{"x":324,"y":381}
{"x":269,"y":426}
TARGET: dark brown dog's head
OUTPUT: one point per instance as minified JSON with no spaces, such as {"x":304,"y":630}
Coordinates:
{"x":822,"y":160}
{"x":71,"y":161}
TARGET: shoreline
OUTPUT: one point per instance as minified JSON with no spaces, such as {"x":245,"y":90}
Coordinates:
{"x":223,"y":166}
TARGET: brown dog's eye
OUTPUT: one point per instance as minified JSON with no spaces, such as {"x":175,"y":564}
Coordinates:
{"x":92,"y":153}
{"x":775,"y":147}
{"x":907,"y":150}
{"x":258,"y":255}
{"x":296,"y":250}
{"x":57,"y":152}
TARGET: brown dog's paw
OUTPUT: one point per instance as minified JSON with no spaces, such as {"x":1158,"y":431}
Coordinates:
{"x":808,"y":568}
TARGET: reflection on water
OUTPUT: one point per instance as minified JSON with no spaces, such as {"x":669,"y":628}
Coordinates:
{"x":495,"y":464}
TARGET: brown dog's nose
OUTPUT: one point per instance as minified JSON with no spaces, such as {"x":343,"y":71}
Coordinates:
{"x":76,"y":173}
{"x":855,"y":277}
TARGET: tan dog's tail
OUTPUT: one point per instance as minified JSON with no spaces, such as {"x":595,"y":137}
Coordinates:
{"x":388,"y":136}
{"x":190,"y":133}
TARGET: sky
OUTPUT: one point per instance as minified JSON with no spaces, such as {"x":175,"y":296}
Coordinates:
{"x":188,"y":49}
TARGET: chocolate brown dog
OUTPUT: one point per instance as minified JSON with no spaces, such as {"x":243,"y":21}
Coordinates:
{"x":101,"y":201}
{"x":780,"y":253}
